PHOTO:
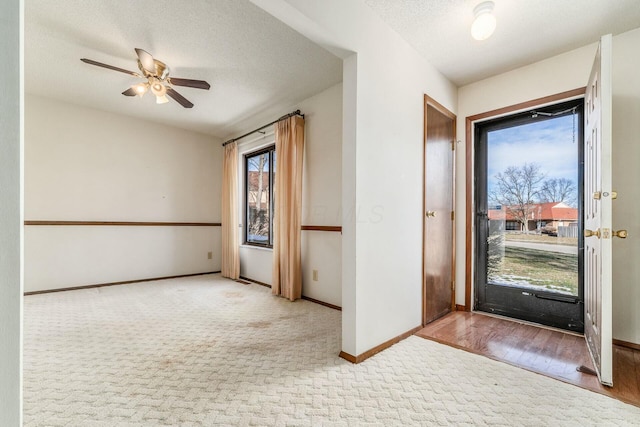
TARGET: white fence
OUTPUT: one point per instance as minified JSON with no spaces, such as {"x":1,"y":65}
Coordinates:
{"x":569,"y":231}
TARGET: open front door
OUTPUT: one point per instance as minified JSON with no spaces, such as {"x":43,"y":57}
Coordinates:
{"x":598,"y":198}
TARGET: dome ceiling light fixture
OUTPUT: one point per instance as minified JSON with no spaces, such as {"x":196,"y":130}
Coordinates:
{"x":158,"y":80}
{"x":484,"y":23}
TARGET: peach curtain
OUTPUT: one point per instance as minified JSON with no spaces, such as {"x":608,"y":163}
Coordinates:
{"x":287,"y":264}
{"x":230,"y":245}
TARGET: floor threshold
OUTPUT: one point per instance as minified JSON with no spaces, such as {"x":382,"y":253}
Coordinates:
{"x":527,"y":322}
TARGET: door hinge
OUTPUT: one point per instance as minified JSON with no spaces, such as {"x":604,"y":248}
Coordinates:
{"x":453,"y":216}
{"x":453,"y":286}
{"x":453,"y":145}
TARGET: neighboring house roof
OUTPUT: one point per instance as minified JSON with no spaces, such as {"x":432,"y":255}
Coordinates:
{"x":550,"y":211}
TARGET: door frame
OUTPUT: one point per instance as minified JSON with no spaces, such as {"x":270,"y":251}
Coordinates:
{"x":470,"y":173}
{"x":428,"y":101}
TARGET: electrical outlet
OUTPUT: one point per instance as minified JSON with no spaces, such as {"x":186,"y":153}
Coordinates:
{"x":209,"y":255}
{"x":315,"y":275}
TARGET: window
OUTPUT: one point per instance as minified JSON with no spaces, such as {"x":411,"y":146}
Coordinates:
{"x":259,"y":168}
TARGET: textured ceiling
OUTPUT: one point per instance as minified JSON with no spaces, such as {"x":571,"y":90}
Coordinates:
{"x":256,"y":65}
{"x":527,"y":31}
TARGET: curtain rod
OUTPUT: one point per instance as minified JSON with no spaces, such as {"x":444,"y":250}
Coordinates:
{"x":286,"y":116}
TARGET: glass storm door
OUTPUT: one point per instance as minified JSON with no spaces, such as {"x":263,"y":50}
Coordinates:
{"x":529,"y":216}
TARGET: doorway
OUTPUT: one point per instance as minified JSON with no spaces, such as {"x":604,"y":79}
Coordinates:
{"x":528,"y":216}
{"x":438,"y":211}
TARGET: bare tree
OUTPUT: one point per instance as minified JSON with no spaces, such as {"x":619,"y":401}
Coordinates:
{"x":559,"y":190}
{"x":259,"y":166}
{"x":516,"y":190}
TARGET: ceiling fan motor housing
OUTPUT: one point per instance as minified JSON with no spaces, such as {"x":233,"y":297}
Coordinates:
{"x":161,"y":72}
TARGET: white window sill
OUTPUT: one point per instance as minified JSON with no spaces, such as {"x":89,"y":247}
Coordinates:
{"x":258,"y":248}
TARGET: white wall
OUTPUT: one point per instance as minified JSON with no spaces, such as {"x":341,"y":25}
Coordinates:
{"x":322,"y":195}
{"x":554,"y":75}
{"x":384,"y":82}
{"x":321,"y":200}
{"x":626,"y":176}
{"x":87,"y":165}
{"x":11,"y":89}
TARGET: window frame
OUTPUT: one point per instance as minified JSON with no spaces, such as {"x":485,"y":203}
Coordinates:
{"x":271,"y":150}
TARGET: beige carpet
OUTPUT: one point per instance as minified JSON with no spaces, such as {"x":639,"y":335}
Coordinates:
{"x":205,"y":351}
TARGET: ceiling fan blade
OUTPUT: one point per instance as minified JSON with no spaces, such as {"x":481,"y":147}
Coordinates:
{"x":146,"y":59}
{"x":110,"y":67}
{"x":130,"y":92}
{"x":181,"y":99}
{"x":198,"y":84}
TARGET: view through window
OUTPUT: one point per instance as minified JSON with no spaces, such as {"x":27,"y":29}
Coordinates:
{"x":532,"y":200}
{"x":259,"y":179}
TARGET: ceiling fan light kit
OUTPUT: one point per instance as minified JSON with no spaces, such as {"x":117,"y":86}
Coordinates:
{"x":140,"y":88}
{"x":484,"y":23}
{"x":157,"y":75}
{"x":157,"y":87}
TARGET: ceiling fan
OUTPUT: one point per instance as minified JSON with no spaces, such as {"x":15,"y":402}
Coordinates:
{"x":158,"y":80}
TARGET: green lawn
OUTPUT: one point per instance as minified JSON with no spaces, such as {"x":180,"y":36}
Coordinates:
{"x":553,"y":271}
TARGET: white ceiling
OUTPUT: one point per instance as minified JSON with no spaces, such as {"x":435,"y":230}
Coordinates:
{"x":527,"y":31}
{"x":256,"y":65}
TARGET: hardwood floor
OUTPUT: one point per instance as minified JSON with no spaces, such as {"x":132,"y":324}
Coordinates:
{"x":546,"y":351}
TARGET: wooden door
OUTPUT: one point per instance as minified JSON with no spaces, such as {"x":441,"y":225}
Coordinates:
{"x":438,"y":208}
{"x":597,"y":214}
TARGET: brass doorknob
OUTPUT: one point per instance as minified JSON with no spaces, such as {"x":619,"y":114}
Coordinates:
{"x":621,"y":234}
{"x":431,"y":214}
{"x":589,"y":233}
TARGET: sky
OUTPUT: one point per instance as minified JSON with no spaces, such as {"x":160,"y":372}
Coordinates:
{"x":548,"y":143}
{"x":254,"y":162}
